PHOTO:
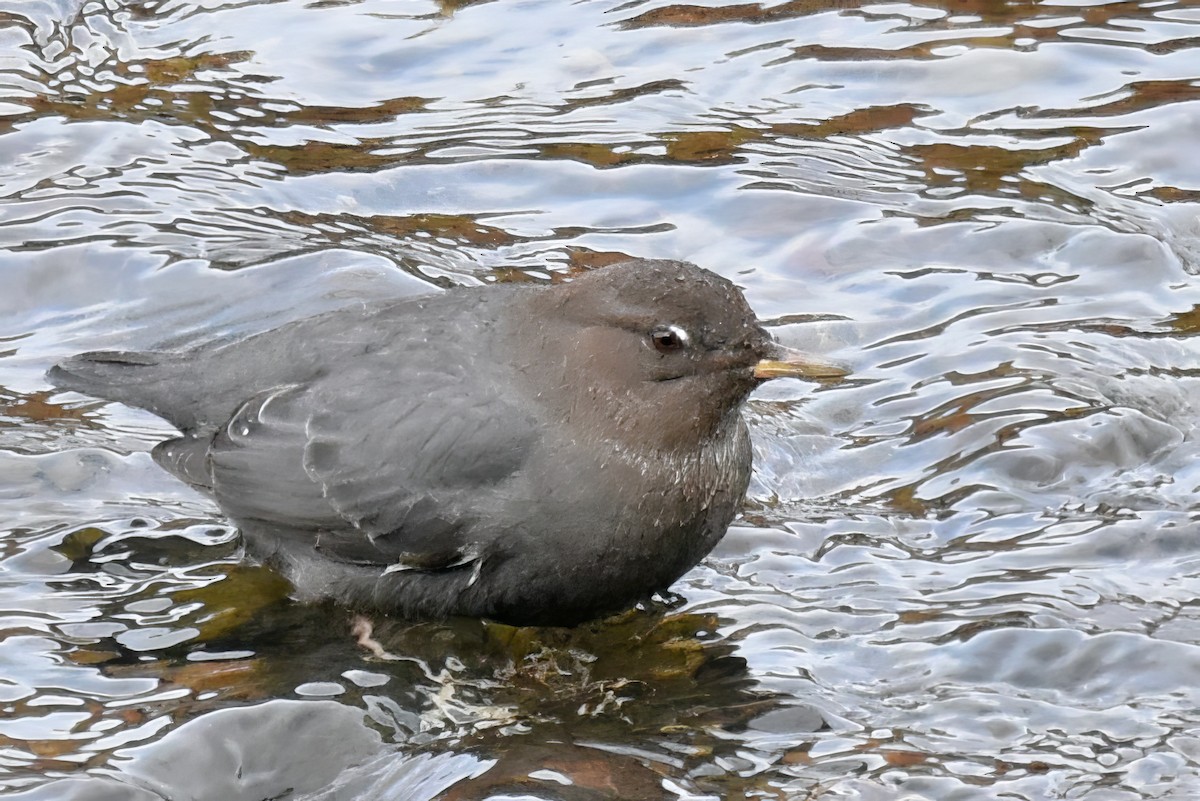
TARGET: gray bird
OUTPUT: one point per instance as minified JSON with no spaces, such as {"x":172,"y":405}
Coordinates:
{"x":533,"y":454}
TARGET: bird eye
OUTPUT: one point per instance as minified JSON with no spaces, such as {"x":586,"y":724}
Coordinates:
{"x":669,"y":339}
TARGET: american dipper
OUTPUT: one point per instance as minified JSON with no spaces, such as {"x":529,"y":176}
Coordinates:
{"x":537,"y":455}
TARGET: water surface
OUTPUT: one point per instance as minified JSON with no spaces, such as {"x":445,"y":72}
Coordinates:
{"x":969,"y":572}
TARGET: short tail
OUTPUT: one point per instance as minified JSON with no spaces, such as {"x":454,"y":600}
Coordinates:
{"x":125,"y":376}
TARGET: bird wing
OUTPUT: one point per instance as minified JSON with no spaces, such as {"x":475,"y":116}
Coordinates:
{"x":383,"y":472}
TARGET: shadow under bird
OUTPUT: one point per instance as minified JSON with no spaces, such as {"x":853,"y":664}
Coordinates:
{"x":533,"y":454}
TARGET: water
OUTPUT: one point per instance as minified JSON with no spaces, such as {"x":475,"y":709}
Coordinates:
{"x":970,"y":571}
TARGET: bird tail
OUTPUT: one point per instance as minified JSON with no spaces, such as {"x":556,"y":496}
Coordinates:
{"x":125,"y":376}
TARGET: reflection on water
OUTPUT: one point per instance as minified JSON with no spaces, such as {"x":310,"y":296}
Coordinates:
{"x":969,"y":571}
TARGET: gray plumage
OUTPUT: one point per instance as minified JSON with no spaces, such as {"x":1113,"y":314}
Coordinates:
{"x":533,"y":454}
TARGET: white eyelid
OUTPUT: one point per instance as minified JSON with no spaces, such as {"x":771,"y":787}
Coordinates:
{"x":681,"y":333}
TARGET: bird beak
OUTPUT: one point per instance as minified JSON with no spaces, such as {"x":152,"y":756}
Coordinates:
{"x":784,"y":362}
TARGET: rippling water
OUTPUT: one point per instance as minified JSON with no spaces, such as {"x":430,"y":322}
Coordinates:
{"x":969,"y":572}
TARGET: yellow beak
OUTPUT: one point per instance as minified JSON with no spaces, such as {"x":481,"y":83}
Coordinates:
{"x":791,"y":363}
